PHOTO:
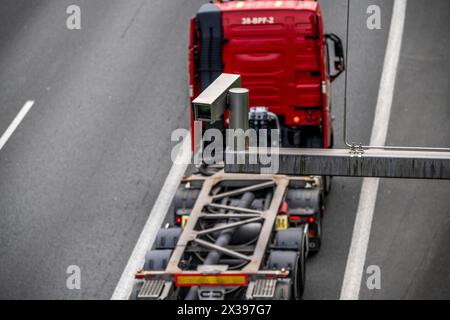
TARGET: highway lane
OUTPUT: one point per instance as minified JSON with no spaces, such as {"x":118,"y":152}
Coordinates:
{"x":79,"y":176}
{"x":411,"y":228}
{"x":325,"y":271}
{"x":11,"y":15}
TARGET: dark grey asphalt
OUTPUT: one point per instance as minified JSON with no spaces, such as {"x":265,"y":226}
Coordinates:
{"x":410,"y":238}
{"x":80,"y":175}
{"x":325,"y":271}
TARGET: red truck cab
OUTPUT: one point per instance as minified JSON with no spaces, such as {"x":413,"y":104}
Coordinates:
{"x":282,"y":53}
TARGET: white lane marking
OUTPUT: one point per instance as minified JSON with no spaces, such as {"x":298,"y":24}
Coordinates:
{"x":155,"y":219}
{"x":363,"y":223}
{"x":16,"y":122}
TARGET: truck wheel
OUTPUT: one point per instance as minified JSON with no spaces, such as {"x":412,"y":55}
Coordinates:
{"x":295,"y":262}
{"x":299,"y":276}
{"x":157,"y":260}
{"x":185,"y":199}
{"x":283,"y":290}
{"x":301,"y":273}
{"x":304,"y":198}
{"x":167,"y":238}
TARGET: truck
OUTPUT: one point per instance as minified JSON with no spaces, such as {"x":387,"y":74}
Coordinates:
{"x":237,"y":236}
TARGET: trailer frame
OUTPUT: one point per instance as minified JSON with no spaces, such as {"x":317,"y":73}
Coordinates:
{"x":190,"y":234}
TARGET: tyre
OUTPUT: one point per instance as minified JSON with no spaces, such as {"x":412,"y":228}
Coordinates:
{"x":295,"y":262}
{"x":157,"y":260}
{"x":304,"y":198}
{"x":167,"y":238}
{"x":283,"y":290}
{"x":184,"y":201}
{"x":301,"y":272}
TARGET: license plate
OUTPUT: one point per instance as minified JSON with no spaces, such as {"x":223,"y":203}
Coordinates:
{"x":281,"y":223}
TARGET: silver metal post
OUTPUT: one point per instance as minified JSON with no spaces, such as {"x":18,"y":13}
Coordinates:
{"x":239,"y":123}
{"x":239,"y":100}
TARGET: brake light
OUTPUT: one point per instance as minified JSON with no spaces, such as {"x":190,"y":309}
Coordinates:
{"x":179,"y":220}
{"x":302,"y":219}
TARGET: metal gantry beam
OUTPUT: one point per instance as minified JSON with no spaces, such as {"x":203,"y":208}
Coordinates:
{"x":381,"y":162}
{"x":344,"y":162}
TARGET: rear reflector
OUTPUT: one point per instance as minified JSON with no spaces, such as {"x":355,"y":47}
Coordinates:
{"x":283,"y":208}
{"x":226,"y":280}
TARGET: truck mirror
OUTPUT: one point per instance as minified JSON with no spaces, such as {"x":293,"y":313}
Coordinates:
{"x":339,"y":59}
{"x":211,"y":104}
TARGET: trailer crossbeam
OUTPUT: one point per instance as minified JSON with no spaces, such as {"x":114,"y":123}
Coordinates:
{"x":235,"y":209}
{"x":236,"y":192}
{"x":212,"y":216}
{"x":223,"y":250}
{"x":229,"y":226}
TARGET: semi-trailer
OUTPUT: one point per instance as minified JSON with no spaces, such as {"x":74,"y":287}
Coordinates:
{"x":237,"y":236}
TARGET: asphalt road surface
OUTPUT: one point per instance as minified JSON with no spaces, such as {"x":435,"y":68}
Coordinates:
{"x":79,"y":176}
